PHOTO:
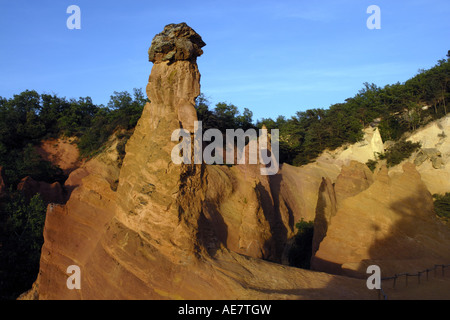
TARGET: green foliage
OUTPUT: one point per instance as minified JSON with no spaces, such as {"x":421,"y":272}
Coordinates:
{"x":123,"y":112}
{"x":29,"y":117}
{"x":442,"y":206}
{"x":19,"y":121}
{"x":245,"y":121}
{"x":371,"y":164}
{"x":52,"y":110}
{"x":21,"y":239}
{"x":77,"y":118}
{"x":305,"y":136}
{"x":398,"y":152}
{"x":19,"y":163}
{"x":396,"y":108}
{"x":123,"y":139}
{"x":205,"y":115}
{"x":125,"y":109}
{"x":391,"y":128}
{"x":301,"y":250}
{"x":224,"y":116}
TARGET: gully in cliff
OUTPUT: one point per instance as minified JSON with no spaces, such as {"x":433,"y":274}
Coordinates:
{"x":268,"y":153}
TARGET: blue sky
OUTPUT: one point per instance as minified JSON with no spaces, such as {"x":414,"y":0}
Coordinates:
{"x":273,"y":57}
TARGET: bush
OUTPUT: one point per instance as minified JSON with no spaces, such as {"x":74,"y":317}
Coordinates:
{"x":123,"y":139}
{"x":19,"y":163}
{"x":301,"y":250}
{"x":371,"y":164}
{"x":400,"y":151}
{"x":123,"y":112}
{"x":442,"y":205}
{"x":21,"y":238}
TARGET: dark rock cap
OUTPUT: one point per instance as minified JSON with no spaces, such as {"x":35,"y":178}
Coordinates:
{"x":176,"y":42}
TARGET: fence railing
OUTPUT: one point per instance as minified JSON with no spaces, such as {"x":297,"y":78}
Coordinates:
{"x":407,"y":276}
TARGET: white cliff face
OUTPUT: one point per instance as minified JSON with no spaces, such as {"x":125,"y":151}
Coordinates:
{"x":362,"y":151}
{"x":432,"y":160}
{"x":434,"y":167}
{"x":435,"y":135}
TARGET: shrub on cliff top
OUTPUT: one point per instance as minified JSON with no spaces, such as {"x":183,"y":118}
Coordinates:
{"x":399,"y":151}
{"x":442,"y":205}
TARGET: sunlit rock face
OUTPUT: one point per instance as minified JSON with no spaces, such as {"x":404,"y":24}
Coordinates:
{"x":432,"y":159}
{"x":390,"y":223}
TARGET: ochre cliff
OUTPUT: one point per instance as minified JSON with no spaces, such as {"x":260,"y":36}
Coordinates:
{"x":390,"y":223}
{"x":168,"y":231}
{"x":153,"y":229}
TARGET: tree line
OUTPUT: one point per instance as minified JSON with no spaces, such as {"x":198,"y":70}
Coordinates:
{"x":28,"y":118}
{"x":395,"y":109}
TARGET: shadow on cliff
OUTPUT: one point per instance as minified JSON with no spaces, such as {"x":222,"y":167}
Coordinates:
{"x":415,"y":242}
{"x":213,"y":232}
{"x":272,"y":206}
